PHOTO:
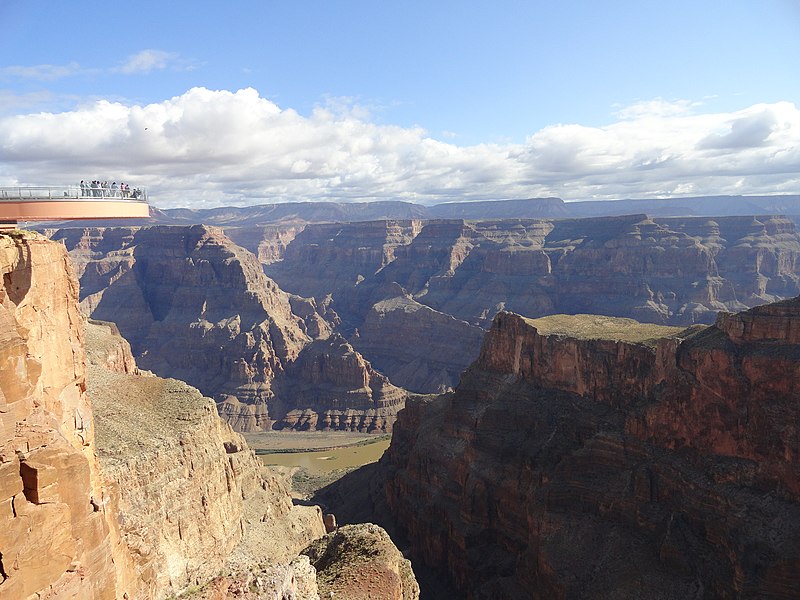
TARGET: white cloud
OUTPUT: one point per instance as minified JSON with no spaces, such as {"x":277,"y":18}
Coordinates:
{"x":41,"y":72}
{"x":209,"y":148}
{"x":146,"y":61}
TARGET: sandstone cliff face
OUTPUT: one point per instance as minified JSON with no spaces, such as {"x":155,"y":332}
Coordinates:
{"x":189,"y":487}
{"x":196,"y":307}
{"x":596,"y":458}
{"x":58,"y":529}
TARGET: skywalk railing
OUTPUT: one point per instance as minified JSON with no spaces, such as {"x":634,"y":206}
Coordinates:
{"x":88,"y":193}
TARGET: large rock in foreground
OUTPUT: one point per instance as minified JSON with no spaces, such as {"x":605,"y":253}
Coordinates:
{"x":597,"y":458}
{"x":359,"y":562}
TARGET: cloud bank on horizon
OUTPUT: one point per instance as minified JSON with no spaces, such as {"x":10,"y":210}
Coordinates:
{"x":209,"y":148}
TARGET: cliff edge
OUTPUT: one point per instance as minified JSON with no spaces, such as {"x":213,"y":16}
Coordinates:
{"x":58,"y":520}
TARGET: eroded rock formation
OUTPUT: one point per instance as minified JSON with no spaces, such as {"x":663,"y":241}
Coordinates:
{"x":591,"y":457}
{"x":419,"y":348}
{"x":199,"y":308}
{"x":663,"y":270}
{"x":332,"y":387}
{"x":361,"y":562}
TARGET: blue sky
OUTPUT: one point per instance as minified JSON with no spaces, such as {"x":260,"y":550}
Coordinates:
{"x":422,"y":101}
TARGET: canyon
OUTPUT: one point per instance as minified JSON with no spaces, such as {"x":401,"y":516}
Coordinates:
{"x":395,"y":305}
{"x":116,"y":483}
{"x":587,"y":456}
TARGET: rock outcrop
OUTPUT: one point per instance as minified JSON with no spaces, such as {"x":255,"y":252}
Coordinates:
{"x":419,"y":348}
{"x":199,"y":308}
{"x":359,"y":562}
{"x":594,"y":457}
{"x":58,"y":519}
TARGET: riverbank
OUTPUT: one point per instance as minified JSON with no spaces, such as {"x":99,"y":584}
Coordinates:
{"x":317,"y":459}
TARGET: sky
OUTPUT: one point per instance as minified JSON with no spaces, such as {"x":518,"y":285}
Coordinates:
{"x":253,"y":102}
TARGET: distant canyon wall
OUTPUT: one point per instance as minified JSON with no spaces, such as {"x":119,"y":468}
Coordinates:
{"x":662,"y":270}
{"x":587,"y":457}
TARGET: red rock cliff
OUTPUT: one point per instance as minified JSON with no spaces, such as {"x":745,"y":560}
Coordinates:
{"x":590,"y":457}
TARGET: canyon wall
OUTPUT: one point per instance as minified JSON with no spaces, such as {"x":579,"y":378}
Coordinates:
{"x":197,"y":307}
{"x":593,"y":457}
{"x":411,"y":296}
{"x":58,"y":518}
{"x":664,"y":270}
{"x":192,"y":495}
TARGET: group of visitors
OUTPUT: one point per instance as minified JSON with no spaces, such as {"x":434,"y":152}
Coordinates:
{"x":102,"y":189}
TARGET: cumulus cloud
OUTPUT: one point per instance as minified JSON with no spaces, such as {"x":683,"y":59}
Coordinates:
{"x":211,"y":148}
{"x":146,"y":61}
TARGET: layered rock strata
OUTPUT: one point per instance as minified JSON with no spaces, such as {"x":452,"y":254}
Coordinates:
{"x":58,"y":518}
{"x":663,"y":270}
{"x":199,"y":308}
{"x":592,"y":457}
{"x":332,"y":387}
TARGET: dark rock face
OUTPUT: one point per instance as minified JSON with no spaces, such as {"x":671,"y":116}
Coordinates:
{"x":424,"y":350}
{"x":584,"y":457}
{"x":664,"y":270}
{"x":199,"y":308}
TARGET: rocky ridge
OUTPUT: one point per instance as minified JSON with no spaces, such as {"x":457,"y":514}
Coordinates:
{"x":584,"y":456}
{"x":193,"y":498}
